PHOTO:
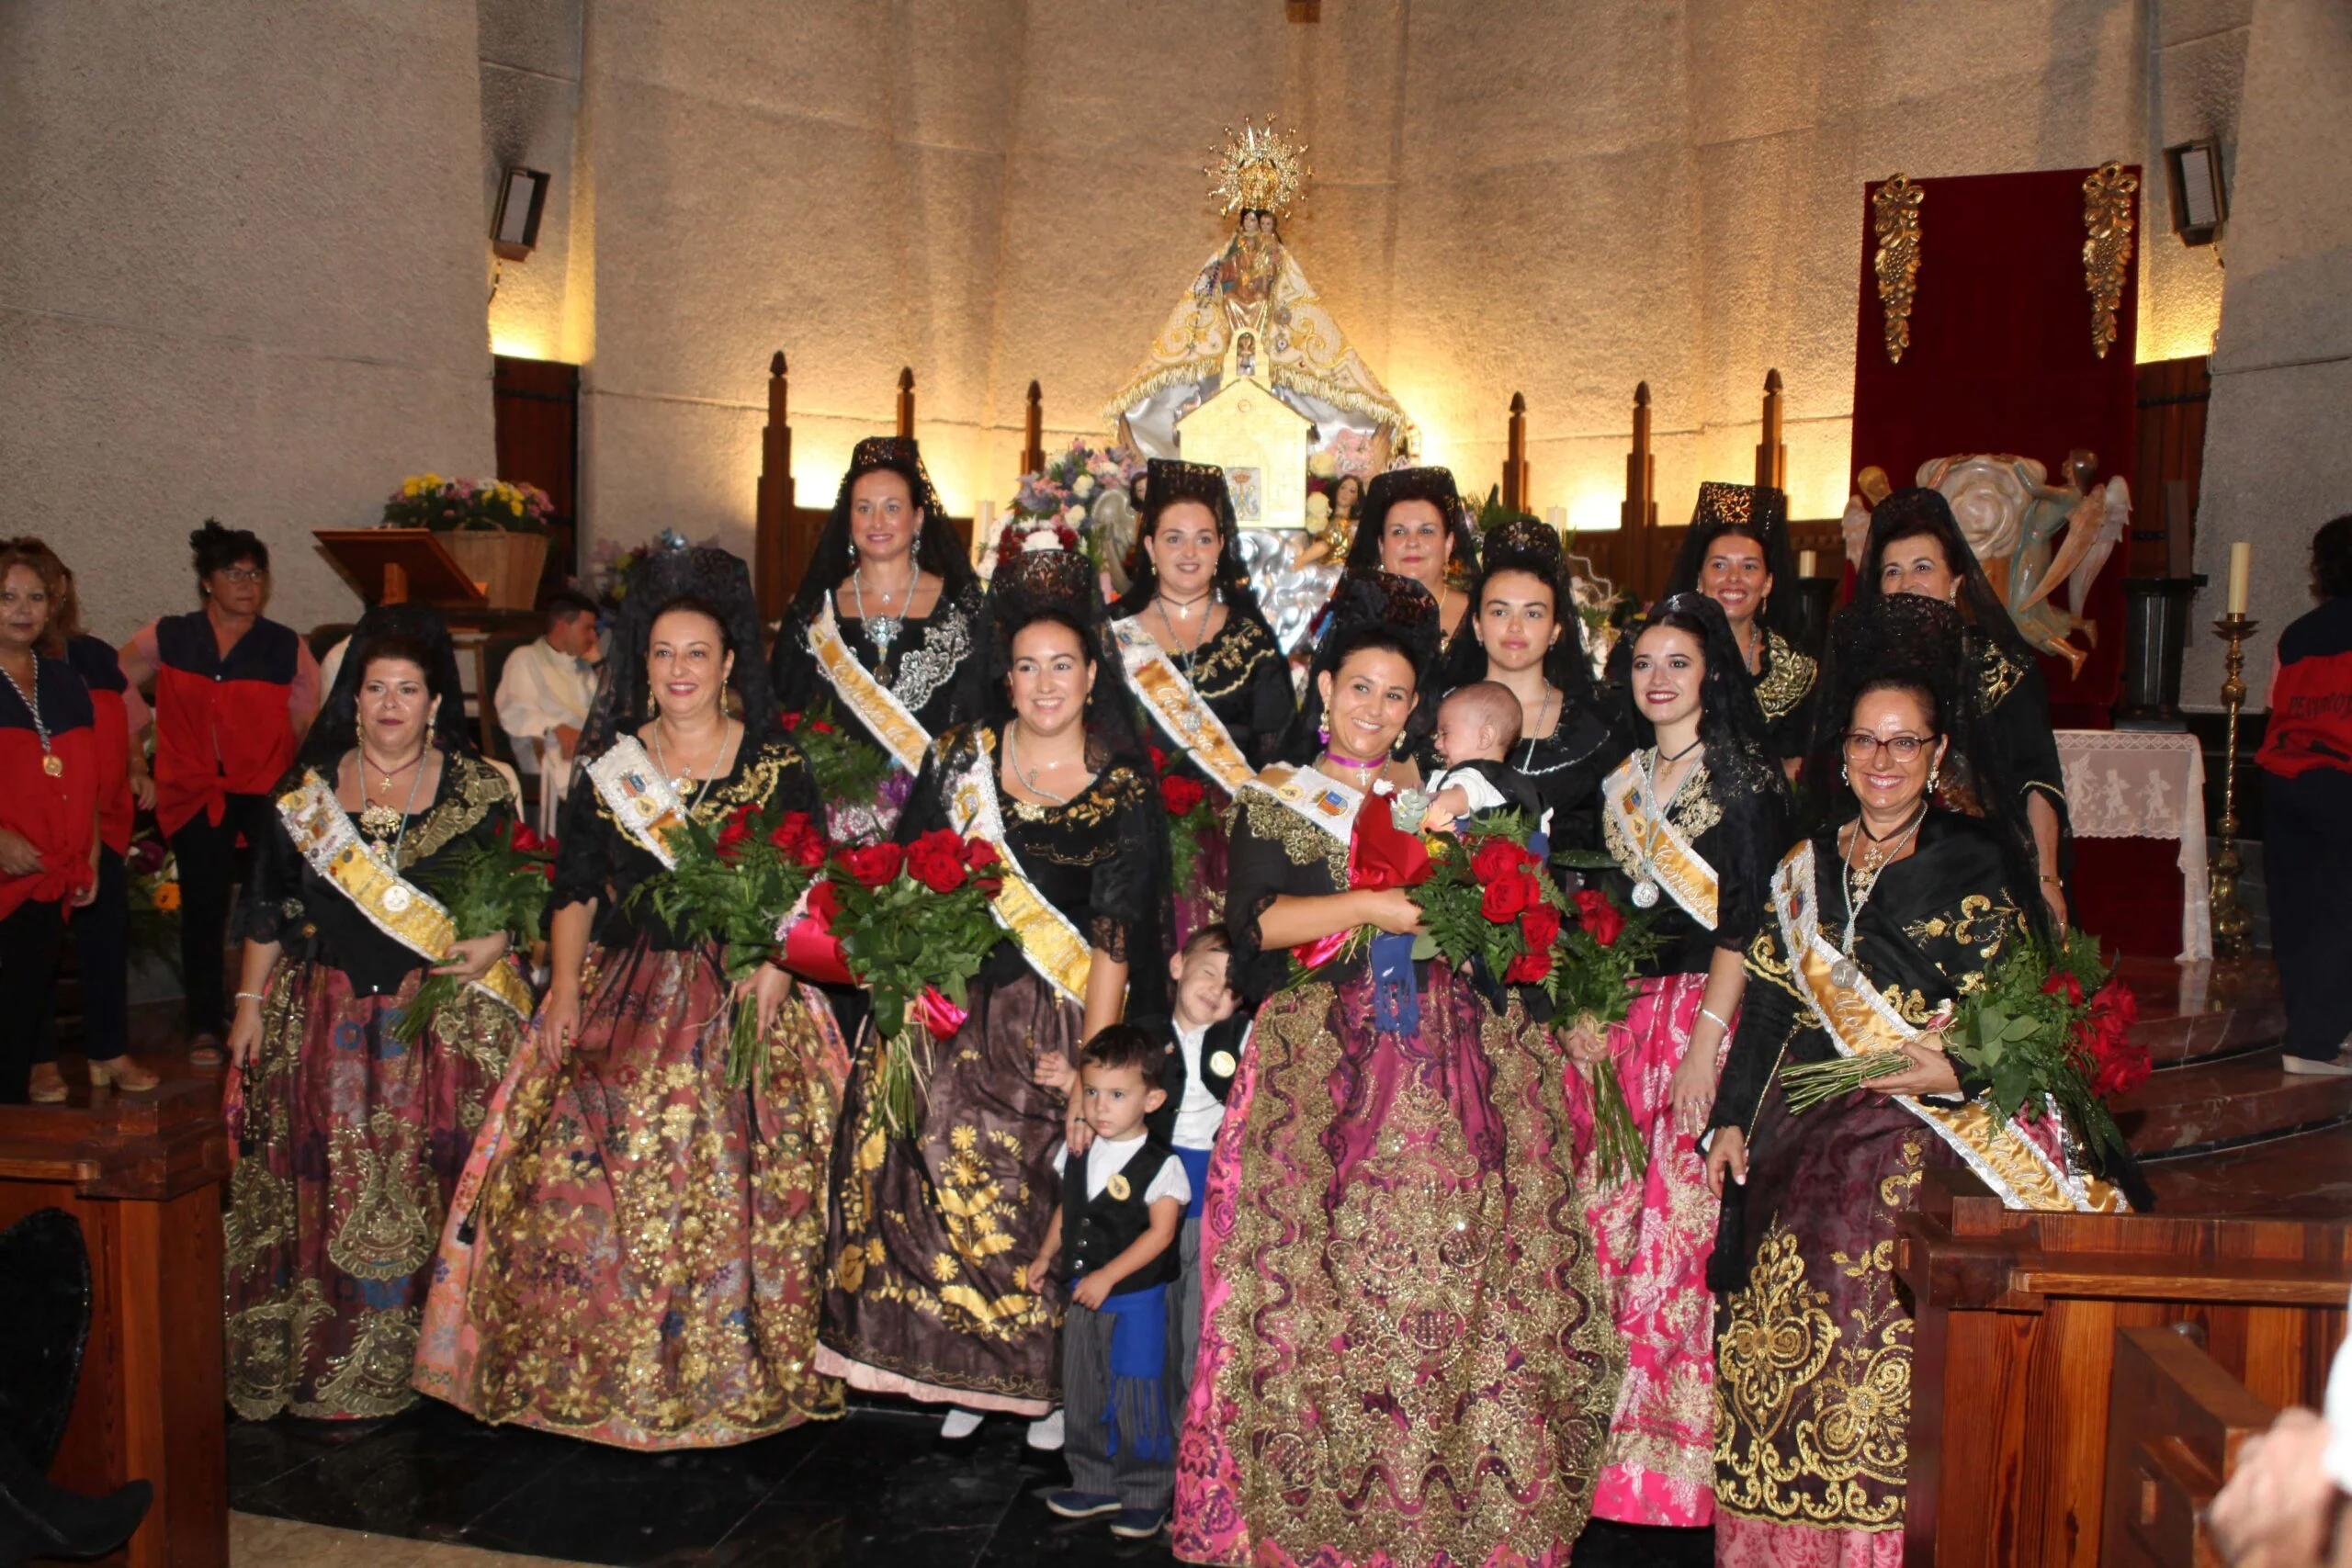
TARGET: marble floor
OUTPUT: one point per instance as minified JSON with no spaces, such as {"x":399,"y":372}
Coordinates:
{"x":434,"y":1489}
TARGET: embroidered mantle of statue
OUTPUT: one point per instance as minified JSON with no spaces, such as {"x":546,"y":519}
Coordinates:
{"x":2035,"y":538}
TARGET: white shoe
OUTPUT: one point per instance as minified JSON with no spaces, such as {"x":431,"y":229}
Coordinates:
{"x":959,"y":1424}
{"x":2335,"y":1066}
{"x":1046,"y":1433}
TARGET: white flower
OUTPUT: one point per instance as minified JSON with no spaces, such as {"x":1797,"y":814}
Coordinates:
{"x":1082,"y":486}
{"x":1075,"y":516}
{"x":1043,"y":539}
{"x":1323,"y":466}
{"x":1318,"y":507}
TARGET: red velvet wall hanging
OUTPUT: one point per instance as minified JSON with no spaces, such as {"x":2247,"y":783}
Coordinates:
{"x":2001,"y":360}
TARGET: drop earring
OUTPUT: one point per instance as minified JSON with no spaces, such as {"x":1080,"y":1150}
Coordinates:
{"x":1844,"y":777}
{"x":1933,"y":776}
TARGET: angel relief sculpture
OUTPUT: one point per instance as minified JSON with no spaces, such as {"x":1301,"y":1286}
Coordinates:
{"x":2034,"y":539}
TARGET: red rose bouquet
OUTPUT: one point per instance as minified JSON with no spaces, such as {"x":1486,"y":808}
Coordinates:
{"x":849,"y":772}
{"x":1192,"y":811}
{"x":498,"y":887}
{"x":914,"y":925}
{"x":2050,"y":1030}
{"x":728,"y":886}
{"x":1602,"y":956}
{"x":1487,"y":900}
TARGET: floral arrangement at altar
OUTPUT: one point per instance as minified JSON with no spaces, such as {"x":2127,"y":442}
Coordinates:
{"x":1053,"y":507}
{"x":445,"y":505}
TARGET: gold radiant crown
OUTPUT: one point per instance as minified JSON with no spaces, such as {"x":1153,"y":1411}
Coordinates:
{"x":1260,"y":170}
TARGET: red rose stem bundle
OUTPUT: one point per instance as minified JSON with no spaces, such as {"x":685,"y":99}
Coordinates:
{"x":1603,"y":956}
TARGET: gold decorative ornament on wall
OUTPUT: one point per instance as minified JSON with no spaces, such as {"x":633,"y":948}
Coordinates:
{"x":1260,"y":170}
{"x":2107,"y":245}
{"x":1897,"y":207}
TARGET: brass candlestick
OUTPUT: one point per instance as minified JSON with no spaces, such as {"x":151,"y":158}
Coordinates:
{"x":2231,"y":923}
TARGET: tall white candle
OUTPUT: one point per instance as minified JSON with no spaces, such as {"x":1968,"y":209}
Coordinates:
{"x":1558,"y":517}
{"x":2240,"y":564}
{"x":1806,"y":560}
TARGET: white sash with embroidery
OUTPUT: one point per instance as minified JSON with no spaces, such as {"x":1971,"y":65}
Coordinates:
{"x":1673,"y":862}
{"x":1176,"y":706}
{"x":642,"y":801}
{"x":1858,"y":1019}
{"x":324,"y":835}
{"x":877,"y":706}
{"x":1315,"y":798}
{"x":1054,"y":947}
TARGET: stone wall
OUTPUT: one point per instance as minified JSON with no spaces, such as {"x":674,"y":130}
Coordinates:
{"x":242,"y":274}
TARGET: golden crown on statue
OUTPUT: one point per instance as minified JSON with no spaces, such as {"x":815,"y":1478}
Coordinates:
{"x":1260,"y":170}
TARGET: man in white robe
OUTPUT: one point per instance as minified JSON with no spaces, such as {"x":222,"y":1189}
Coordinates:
{"x":543,"y":698}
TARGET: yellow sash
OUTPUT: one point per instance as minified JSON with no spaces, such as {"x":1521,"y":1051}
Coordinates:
{"x":324,"y":835}
{"x":642,"y":801}
{"x":1318,"y":799}
{"x":877,"y":706}
{"x":1176,"y":706}
{"x":1055,"y":949}
{"x":1677,"y":867}
{"x":1857,"y":1020}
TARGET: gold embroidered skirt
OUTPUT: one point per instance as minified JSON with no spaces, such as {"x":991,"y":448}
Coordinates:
{"x":632,"y":1256}
{"x":1405,"y":1352}
{"x":1813,"y":1353}
{"x":933,"y":1235}
{"x":350,"y":1143}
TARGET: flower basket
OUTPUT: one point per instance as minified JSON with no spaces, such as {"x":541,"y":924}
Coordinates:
{"x":507,"y":565}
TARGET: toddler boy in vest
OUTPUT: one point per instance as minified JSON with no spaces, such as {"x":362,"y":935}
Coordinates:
{"x":1113,"y":1241}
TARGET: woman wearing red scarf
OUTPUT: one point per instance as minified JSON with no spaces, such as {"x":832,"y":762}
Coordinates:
{"x":233,"y":692}
{"x":1397,"y":1292}
{"x":48,"y":812}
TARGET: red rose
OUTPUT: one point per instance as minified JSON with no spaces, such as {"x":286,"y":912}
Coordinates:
{"x":2115,"y":1000}
{"x":736,"y":833}
{"x":791,"y":721}
{"x":820,"y":726}
{"x":1528,"y":968}
{"x":935,"y":861}
{"x":979,"y":854}
{"x":1508,"y":894}
{"x":1599,"y":915}
{"x":1159,"y":760}
{"x":2062,"y":983}
{"x":1181,"y":795}
{"x":1496,"y":858}
{"x":798,"y":838}
{"x":1540,"y":927}
{"x":873,"y":864}
{"x":528,"y":842}
{"x":824,"y":902}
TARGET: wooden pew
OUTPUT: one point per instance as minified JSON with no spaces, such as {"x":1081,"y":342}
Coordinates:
{"x":2175,"y":1425}
{"x":2013,"y":1353}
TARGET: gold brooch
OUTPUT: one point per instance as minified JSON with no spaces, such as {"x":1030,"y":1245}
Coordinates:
{"x":1222,"y":1063}
{"x":1117,"y":1187}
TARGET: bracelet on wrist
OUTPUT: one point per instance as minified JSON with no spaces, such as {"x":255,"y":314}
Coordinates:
{"x":1717,"y":1019}
{"x":251,"y":996}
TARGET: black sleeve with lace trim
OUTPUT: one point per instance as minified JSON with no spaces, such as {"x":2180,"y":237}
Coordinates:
{"x":1274,"y":702}
{"x":587,"y":850}
{"x":1119,"y":898}
{"x":1770,"y":1017}
{"x":1754,"y":834}
{"x":271,"y":909}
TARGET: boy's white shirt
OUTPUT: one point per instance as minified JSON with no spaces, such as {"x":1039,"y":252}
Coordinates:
{"x":1105,"y":1158}
{"x":1199,"y":1113}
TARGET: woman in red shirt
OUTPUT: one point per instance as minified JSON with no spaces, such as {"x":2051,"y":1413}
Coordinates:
{"x":233,"y":692}
{"x":49,"y":813}
{"x":2306,"y":762}
{"x":101,"y":933}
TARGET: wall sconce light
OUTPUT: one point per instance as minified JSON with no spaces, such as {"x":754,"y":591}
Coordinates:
{"x":2201,"y":204}
{"x":522,"y":197}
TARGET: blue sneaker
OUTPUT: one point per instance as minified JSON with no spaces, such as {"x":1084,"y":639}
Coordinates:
{"x":1081,"y":1505}
{"x":1138,"y":1524}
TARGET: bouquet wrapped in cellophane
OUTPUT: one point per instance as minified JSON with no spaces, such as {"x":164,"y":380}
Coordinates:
{"x":914,"y":925}
{"x":725,"y":886}
{"x":487,"y":888}
{"x":861,"y":786}
{"x":1601,"y":962}
{"x":2050,"y":1030}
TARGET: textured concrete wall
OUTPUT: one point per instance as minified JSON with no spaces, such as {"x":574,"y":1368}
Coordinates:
{"x":1555,"y":198}
{"x":241,"y":273}
{"x":530,"y":109}
{"x":2276,"y":462}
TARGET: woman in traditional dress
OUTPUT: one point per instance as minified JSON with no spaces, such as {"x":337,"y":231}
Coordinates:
{"x":633,"y":1256}
{"x":234,"y":690}
{"x":1896,"y":904}
{"x":48,"y":812}
{"x":1406,"y":1354}
{"x":1202,"y":662}
{"x":930,"y":1232}
{"x":1736,"y":553}
{"x":1915,"y":547}
{"x":1524,"y":635}
{"x":887,"y":629}
{"x":352,"y":1138}
{"x":102,"y":930}
{"x":1415,"y":525}
{"x":1694,"y":820}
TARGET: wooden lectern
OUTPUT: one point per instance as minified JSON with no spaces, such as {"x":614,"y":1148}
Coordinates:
{"x":143,"y":1174}
{"x":393,"y":566}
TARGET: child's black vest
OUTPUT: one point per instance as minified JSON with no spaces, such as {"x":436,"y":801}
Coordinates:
{"x":1096,"y":1229}
{"x":1220,"y":1059}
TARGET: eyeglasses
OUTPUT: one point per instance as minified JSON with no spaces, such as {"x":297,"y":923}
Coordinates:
{"x":243,"y":573}
{"x":1862,"y":746}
